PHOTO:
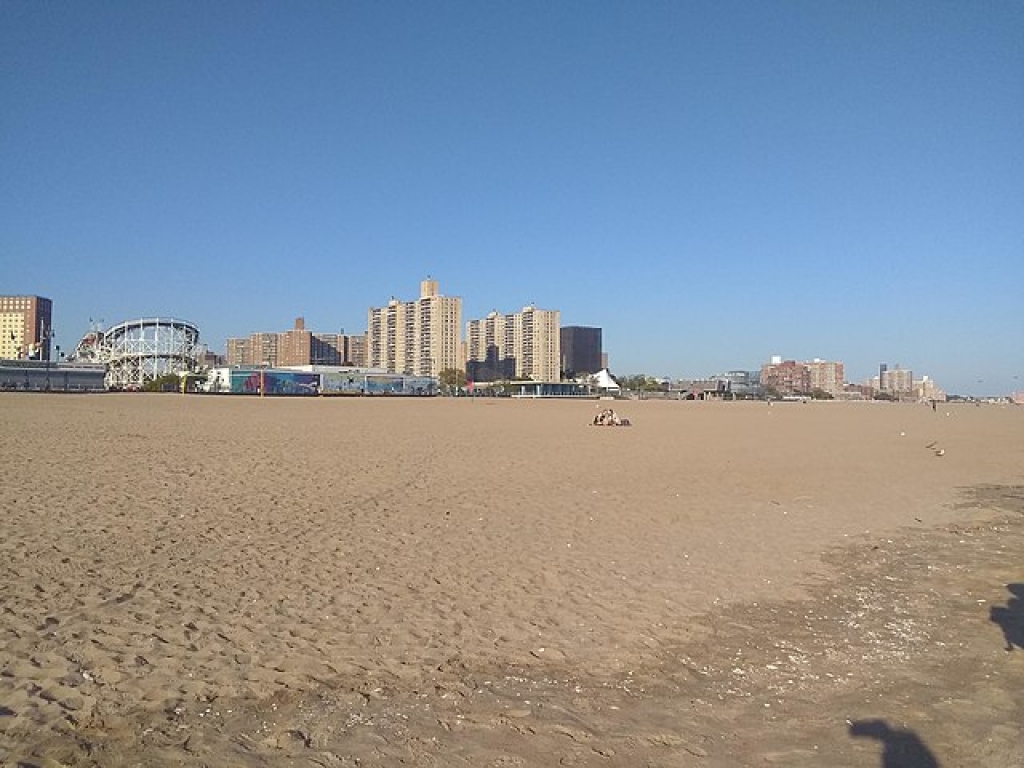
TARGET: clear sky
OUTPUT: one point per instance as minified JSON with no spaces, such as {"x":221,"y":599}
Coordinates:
{"x":709,"y":182}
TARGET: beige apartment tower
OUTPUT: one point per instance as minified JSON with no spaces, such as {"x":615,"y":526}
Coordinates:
{"x":896,"y":381}
{"x":525,"y":344}
{"x":420,"y":337}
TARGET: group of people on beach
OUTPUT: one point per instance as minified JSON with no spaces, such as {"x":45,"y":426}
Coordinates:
{"x":609,"y":418}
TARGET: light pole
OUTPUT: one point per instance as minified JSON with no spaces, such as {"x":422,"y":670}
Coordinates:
{"x":48,"y":337}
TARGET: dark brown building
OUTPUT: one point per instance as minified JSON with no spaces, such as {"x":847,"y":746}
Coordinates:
{"x":581,"y":350}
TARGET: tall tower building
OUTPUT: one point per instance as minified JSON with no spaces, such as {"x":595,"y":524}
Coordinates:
{"x":385,"y":336}
{"x":581,"y":350}
{"x":526,"y":344}
{"x":26,"y":327}
{"x":420,"y":337}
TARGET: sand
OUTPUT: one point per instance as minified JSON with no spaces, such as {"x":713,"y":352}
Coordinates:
{"x":198,"y":580}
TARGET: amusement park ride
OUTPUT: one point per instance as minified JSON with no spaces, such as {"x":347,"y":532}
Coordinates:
{"x":138,"y":351}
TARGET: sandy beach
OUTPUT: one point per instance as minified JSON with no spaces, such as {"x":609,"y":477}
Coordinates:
{"x":201,"y":580}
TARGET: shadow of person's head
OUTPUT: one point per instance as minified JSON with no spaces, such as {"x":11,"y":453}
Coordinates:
{"x":901,"y":748}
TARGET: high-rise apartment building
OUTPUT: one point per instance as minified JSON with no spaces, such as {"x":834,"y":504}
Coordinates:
{"x":26,"y":327}
{"x":788,"y":377}
{"x":339,"y":349}
{"x":927,"y":389}
{"x":827,"y":376}
{"x":895,"y":381}
{"x":355,"y":351}
{"x":297,"y":346}
{"x":263,"y":349}
{"x":489,"y":353}
{"x":420,"y":337}
{"x":327,"y":349}
{"x":237,"y":352}
{"x":525,"y":344}
{"x":581,"y":350}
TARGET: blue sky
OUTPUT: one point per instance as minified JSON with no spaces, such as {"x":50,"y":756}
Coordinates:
{"x":711,"y":183}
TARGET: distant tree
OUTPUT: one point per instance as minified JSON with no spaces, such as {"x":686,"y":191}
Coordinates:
{"x":633,"y":382}
{"x":169,"y":382}
{"x":451,"y":380}
{"x":651,"y":384}
{"x":641,"y":382}
{"x":821,"y":394}
{"x":624,"y":382}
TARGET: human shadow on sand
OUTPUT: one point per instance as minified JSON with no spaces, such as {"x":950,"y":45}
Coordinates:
{"x":1010,"y":617}
{"x":901,"y":749}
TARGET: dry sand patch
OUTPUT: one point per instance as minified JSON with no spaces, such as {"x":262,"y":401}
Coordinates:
{"x":396,"y":578}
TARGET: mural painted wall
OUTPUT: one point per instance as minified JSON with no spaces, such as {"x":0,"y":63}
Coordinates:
{"x":248,"y":381}
{"x":272,"y":382}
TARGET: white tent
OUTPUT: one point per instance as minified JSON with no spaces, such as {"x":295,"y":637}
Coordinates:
{"x":603,"y":380}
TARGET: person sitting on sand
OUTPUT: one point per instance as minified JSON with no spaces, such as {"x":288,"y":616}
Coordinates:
{"x":609,"y":418}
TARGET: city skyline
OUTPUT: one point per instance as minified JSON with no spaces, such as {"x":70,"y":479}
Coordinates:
{"x":710,"y":185}
{"x":304,"y":346}
{"x":226,"y":352}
